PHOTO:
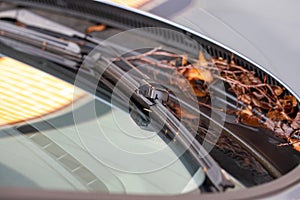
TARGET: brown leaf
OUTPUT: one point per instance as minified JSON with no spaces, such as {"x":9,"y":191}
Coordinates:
{"x":256,"y":102}
{"x":248,"y":118}
{"x":269,"y":124}
{"x":295,"y":143}
{"x":277,"y":115}
{"x":289,"y":102}
{"x":277,"y":90}
{"x":181,"y":114}
{"x":237,"y":89}
{"x":282,"y":130}
{"x":184,"y":60}
{"x":200,"y":92}
{"x":249,"y":79}
{"x":296,"y":146}
{"x":202,"y":58}
{"x":245,"y":98}
{"x":193,"y":74}
{"x":296,"y":122}
{"x":266,"y":105}
{"x":258,"y":95}
{"x":99,"y":27}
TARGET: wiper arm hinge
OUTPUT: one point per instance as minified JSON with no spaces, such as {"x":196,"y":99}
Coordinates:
{"x":153,"y":91}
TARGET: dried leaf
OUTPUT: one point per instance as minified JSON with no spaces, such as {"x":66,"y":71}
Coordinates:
{"x":277,"y":115}
{"x":249,"y":79}
{"x":288,"y":103}
{"x":238,"y":90}
{"x":245,"y":98}
{"x":295,"y":143}
{"x":232,"y":59}
{"x":247,"y":117}
{"x":256,"y":102}
{"x":269,"y":124}
{"x":258,"y":95}
{"x":277,"y":90}
{"x":94,"y":28}
{"x":199,"y":92}
{"x":254,"y":92}
{"x":202,"y":59}
{"x":182,"y":114}
{"x":193,"y":74}
{"x":296,"y":122}
{"x":282,"y":130}
{"x":265,"y":105}
{"x":184,"y":60}
{"x":289,"y":100}
{"x":296,"y":146}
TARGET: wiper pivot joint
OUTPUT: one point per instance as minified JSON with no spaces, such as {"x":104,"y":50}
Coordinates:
{"x":153,"y":92}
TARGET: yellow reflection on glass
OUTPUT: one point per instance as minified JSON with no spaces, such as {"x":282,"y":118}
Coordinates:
{"x":27,"y":93}
{"x":131,"y":3}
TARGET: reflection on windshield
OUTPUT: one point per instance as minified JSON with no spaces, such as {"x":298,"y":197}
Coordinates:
{"x":104,"y":151}
{"x":27,"y":93}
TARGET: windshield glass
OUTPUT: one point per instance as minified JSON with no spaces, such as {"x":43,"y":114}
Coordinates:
{"x":108,"y":153}
{"x":116,"y":105}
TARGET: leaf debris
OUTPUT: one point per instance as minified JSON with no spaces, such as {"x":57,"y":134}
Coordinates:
{"x":258,"y":104}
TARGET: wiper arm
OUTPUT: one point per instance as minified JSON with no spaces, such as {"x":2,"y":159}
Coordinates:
{"x":45,"y":45}
{"x":34,"y":20}
{"x":31,"y":19}
{"x":39,"y":40}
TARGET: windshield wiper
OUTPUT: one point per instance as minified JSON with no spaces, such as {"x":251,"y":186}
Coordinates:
{"x":150,"y":97}
{"x":147,"y":95}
